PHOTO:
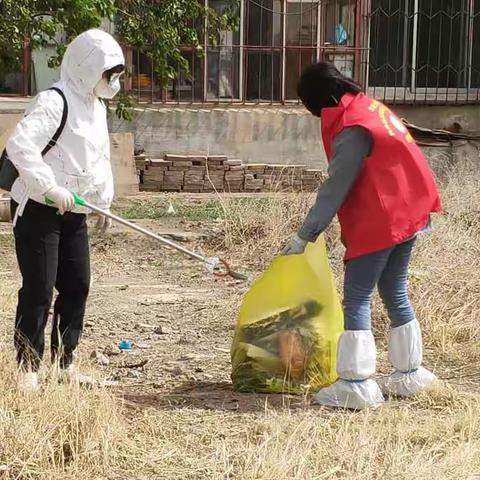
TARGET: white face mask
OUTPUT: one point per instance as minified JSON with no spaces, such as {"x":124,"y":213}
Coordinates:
{"x":108,"y":89}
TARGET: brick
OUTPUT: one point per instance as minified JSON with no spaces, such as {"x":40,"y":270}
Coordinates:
{"x":273,"y":166}
{"x":199,"y":162}
{"x":216,"y":168}
{"x":234,"y":176}
{"x":236,"y":168}
{"x":150,"y":188}
{"x":215,"y":175}
{"x":256,"y":168}
{"x":194,"y":183}
{"x":177,"y":168}
{"x":255,"y":182}
{"x":170,"y":157}
{"x":234,"y":182}
{"x":217,"y":158}
{"x":159,"y":162}
{"x":154,"y":172}
{"x":174,"y":174}
{"x":192,"y":189}
{"x":181,"y":164}
{"x":234,"y":162}
{"x":197,"y":176}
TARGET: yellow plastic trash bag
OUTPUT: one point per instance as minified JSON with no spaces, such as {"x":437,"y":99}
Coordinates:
{"x":287,"y":329}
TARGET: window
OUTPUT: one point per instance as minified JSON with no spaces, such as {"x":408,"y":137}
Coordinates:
{"x":223,"y":62}
{"x":425,"y":49}
{"x":188,"y":88}
{"x":340,"y":22}
{"x":262,"y":61}
{"x":13,"y":80}
{"x":475,"y":45}
{"x":263,"y":48}
{"x":301,"y":41}
{"x":391,"y":43}
{"x":441,"y":46}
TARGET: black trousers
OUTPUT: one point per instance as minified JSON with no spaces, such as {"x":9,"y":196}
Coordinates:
{"x":52,"y":252}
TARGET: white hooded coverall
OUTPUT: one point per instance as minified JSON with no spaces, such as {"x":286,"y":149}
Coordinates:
{"x":52,"y":250}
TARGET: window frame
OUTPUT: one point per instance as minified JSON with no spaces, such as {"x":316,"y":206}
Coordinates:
{"x":411,"y":92}
{"x":318,"y":48}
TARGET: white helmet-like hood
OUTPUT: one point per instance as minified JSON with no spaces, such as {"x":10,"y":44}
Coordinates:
{"x":87,"y":57}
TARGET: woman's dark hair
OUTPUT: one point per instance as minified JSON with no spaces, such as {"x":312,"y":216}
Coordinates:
{"x":322,"y":85}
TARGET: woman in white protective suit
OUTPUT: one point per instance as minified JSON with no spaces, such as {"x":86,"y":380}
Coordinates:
{"x":50,"y":231}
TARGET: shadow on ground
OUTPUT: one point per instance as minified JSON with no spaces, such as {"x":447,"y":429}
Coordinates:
{"x":215,"y":396}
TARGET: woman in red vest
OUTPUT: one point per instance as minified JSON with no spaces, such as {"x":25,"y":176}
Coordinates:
{"x":383,"y":191}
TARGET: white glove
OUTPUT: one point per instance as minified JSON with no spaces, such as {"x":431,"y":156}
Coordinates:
{"x":61,"y":198}
{"x":103,"y":224}
{"x":295,"y":246}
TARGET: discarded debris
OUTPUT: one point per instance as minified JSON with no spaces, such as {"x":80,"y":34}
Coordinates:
{"x":140,"y":364}
{"x":100,"y":358}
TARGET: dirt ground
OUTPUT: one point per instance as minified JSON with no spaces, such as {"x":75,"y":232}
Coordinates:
{"x":181,"y":320}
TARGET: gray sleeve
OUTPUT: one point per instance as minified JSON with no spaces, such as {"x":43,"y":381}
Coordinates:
{"x":350,"y":147}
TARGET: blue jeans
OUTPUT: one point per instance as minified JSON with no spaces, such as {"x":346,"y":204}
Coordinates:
{"x":387,"y":269}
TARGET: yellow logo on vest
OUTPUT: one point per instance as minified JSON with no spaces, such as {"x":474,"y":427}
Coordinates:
{"x":390,"y":121}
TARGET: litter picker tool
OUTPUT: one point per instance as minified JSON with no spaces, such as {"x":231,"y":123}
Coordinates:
{"x":214,"y":265}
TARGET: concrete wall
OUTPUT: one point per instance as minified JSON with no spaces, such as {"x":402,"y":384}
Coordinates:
{"x":267,"y":135}
{"x":256,"y":134}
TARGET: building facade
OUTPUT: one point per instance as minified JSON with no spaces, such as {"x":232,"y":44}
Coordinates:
{"x":400,"y":51}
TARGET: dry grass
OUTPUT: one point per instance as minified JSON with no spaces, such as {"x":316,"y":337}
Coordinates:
{"x":60,"y":433}
{"x":66,"y":433}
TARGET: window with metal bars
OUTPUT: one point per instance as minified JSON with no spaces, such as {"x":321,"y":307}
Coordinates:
{"x":263,"y":60}
{"x":424,"y":50}
{"x":399,"y":50}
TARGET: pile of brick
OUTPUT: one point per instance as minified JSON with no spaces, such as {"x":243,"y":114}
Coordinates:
{"x":197,"y":174}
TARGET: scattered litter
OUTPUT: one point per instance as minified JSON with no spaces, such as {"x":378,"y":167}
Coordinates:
{"x":111,"y":350}
{"x":143,"y":346}
{"x":140,"y":364}
{"x":125,"y":345}
{"x":100,"y":358}
{"x":170,"y":209}
{"x":144,"y":326}
{"x":160,"y":330}
{"x":223,"y":350}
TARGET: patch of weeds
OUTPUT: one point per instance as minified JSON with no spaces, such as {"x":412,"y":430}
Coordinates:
{"x":6,"y":242}
{"x":210,"y":210}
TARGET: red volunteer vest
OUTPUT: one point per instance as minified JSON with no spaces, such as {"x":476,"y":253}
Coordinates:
{"x":395,"y":192}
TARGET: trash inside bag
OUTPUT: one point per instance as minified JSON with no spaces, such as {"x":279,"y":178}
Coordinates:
{"x":287,"y":329}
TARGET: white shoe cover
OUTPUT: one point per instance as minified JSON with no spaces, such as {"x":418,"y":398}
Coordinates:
{"x":27,"y":382}
{"x":405,"y":352}
{"x":356,"y":361}
{"x":350,"y":395}
{"x":72,"y":376}
{"x":400,"y":384}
